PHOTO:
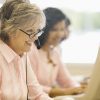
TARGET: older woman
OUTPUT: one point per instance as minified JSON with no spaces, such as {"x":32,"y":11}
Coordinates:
{"x":20,"y":26}
{"x":49,"y":68}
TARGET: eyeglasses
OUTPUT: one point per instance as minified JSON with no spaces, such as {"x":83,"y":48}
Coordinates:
{"x":32,"y":35}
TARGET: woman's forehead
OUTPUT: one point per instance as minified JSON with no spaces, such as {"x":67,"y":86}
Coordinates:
{"x":60,"y":24}
{"x":33,"y":24}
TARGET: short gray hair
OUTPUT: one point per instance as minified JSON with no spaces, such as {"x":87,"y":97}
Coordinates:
{"x":15,"y":13}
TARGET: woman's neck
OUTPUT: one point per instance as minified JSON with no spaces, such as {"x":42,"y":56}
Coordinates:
{"x":16,"y":50}
{"x":49,"y":53}
{"x":47,"y":47}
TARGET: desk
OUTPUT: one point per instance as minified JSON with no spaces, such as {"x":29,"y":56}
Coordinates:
{"x":69,"y":97}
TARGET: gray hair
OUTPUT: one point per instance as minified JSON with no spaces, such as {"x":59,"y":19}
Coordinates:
{"x":14,"y":14}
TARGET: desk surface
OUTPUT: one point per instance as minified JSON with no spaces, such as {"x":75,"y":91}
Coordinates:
{"x":69,"y":97}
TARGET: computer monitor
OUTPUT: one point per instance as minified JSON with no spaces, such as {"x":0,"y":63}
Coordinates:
{"x":93,"y":90}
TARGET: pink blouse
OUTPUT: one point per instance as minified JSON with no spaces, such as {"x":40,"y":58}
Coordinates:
{"x":13,"y":77}
{"x":46,"y":73}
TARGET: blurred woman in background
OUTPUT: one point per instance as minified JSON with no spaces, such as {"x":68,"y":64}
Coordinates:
{"x":49,"y":69}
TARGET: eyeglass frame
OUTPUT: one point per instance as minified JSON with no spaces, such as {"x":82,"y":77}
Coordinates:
{"x":31,"y":36}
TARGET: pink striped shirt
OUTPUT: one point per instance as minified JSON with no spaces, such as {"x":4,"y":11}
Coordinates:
{"x":46,"y":73}
{"x":13,"y":77}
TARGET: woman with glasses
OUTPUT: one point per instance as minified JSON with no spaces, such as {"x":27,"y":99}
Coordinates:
{"x":20,"y":24}
{"x":49,"y":69}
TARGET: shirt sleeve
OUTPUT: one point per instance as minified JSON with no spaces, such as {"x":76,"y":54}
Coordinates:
{"x":34,"y":58}
{"x":35,"y":61}
{"x":64,"y":78}
{"x":35,"y":91}
{"x":47,"y":89}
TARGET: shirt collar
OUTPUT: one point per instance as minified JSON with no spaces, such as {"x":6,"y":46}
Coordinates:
{"x":7,"y":52}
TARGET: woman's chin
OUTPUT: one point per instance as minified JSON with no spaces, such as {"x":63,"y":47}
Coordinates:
{"x":27,"y":49}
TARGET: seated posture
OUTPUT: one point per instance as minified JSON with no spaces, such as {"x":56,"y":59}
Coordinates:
{"x":20,"y":23}
{"x":48,"y":66}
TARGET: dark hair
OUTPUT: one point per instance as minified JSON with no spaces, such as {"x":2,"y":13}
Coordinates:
{"x":53,"y":16}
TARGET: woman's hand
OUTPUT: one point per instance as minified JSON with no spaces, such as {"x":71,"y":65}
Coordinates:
{"x":66,"y":91}
{"x":76,"y":90}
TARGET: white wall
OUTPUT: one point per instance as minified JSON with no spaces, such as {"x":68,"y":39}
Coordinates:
{"x":76,"y":5}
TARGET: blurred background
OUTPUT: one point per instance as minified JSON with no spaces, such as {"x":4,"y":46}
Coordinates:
{"x":79,"y":51}
{"x":83,"y":43}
